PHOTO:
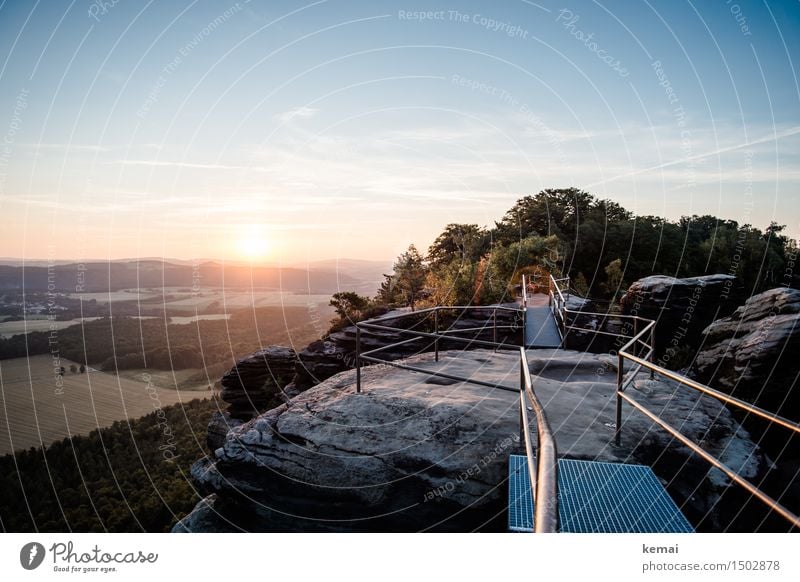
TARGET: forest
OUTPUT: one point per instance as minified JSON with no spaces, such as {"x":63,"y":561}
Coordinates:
{"x":599,"y":244}
{"x":116,"y":479}
{"x":120,"y":343}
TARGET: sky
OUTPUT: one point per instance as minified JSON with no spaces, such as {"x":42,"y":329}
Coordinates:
{"x":284,"y":132}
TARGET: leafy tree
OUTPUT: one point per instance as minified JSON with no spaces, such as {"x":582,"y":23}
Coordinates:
{"x":388,"y":293}
{"x":554,"y":211}
{"x":614,"y":276}
{"x":525,"y":256}
{"x":411,"y":272}
{"x":580,"y":285}
{"x":467,"y":243}
{"x":349,"y":305}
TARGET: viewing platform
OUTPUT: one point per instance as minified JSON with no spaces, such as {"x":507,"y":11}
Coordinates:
{"x":597,"y":497}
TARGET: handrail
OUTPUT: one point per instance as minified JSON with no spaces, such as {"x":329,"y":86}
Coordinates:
{"x":374,"y":324}
{"x":544,"y":472}
{"x":643,"y":363}
{"x":641,"y":343}
{"x":627,"y":352}
{"x":544,"y":475}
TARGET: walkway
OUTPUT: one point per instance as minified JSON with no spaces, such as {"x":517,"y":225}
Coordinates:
{"x":541,"y":330}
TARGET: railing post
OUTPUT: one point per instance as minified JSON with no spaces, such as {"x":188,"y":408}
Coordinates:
{"x":358,"y":359}
{"x":494,"y":327}
{"x":436,"y":339}
{"x":653,"y":351}
{"x":618,"y":425}
{"x":521,"y":403}
{"x":524,"y":323}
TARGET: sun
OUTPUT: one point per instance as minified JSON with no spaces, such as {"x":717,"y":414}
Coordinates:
{"x":253,"y":244}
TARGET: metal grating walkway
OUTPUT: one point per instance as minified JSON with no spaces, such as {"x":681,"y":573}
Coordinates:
{"x":598,"y":497}
{"x":541,"y":330}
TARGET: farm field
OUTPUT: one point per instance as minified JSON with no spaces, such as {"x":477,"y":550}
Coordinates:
{"x":184,"y":319}
{"x":9,"y":328}
{"x":216,"y":301}
{"x":114,"y":296}
{"x":234,"y":300}
{"x":35,"y":413}
{"x":171,"y":379}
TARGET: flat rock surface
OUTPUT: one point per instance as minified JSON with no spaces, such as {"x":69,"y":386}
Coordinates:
{"x":414,"y":451}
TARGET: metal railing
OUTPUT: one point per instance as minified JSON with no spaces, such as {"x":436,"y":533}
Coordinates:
{"x":380,"y":324}
{"x":543,"y":472}
{"x":640,"y":363}
{"x":640,"y":350}
{"x":544,"y":475}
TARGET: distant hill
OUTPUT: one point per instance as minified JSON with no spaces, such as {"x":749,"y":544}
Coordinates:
{"x":107,"y":276}
{"x":369,"y":272}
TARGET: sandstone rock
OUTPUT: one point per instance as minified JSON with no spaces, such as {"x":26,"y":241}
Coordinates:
{"x":753,"y":353}
{"x":204,"y":517}
{"x":218,"y":427}
{"x":682,"y":309}
{"x":255,"y":383}
{"x":417,"y":452}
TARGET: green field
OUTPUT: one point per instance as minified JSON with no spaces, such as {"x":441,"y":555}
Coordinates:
{"x":214,"y":300}
{"x":9,"y":328}
{"x":37,"y":411}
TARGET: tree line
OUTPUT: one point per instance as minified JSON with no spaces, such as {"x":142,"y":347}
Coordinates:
{"x":599,"y":244}
{"x":114,"y":479}
{"x":122,"y":343}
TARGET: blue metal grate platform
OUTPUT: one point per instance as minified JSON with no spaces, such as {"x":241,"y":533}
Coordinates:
{"x":598,"y":497}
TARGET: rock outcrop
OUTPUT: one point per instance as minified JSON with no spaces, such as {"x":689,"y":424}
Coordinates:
{"x":753,"y":353}
{"x":682,"y":308}
{"x":256,"y":383}
{"x":417,"y":452}
{"x":275,"y":374}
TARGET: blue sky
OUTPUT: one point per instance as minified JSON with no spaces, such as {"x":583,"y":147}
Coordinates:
{"x":351,"y":129}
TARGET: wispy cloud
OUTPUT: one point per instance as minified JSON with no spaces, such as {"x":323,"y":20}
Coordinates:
{"x":297,"y":113}
{"x":175,"y":164}
{"x":72,"y":147}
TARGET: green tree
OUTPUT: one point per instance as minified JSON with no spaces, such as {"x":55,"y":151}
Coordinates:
{"x":556,"y":211}
{"x":387,"y":292}
{"x":614,"y":276}
{"x":580,"y":285}
{"x":411,"y":272}
{"x":466,"y":243}
{"x":349,"y":305}
{"x":527,"y":255}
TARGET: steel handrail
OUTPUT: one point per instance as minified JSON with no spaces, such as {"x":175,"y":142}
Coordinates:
{"x":735,"y":477}
{"x":732,"y":400}
{"x":544,"y":473}
{"x":647,"y":362}
{"x":373,"y":324}
{"x":441,"y":308}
